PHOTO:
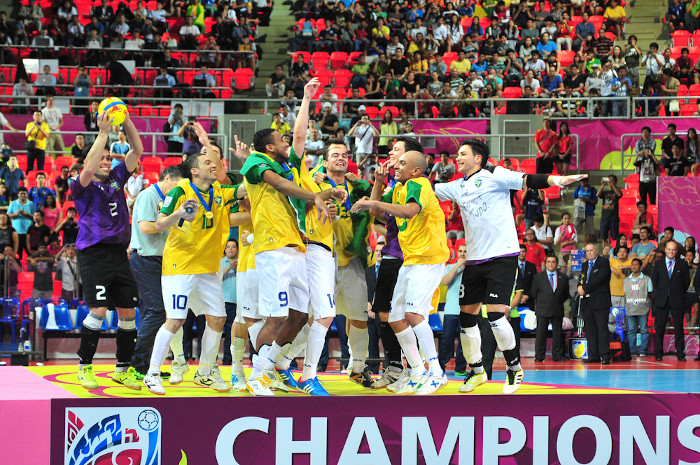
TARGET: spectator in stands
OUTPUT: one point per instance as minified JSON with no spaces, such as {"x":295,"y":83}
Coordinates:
{"x":41,"y":263}
{"x":4,"y":198}
{"x":329,"y":121}
{"x":364,"y":133}
{"x":90,"y":121}
{"x":443,"y":170}
{"x":654,"y":63}
{"x":692,"y":11}
{"x":119,"y":149}
{"x":191,"y":142}
{"x":314,"y":147}
{"x":585,"y":199}
{"x":37,"y":233}
{"x":37,"y":131}
{"x":40,"y":192}
{"x":546,"y":46}
{"x":121,"y":27}
{"x":552,"y":83}
{"x":646,"y":165}
{"x":53,"y":116}
{"x":675,"y":16}
{"x":75,"y":33}
{"x":12,"y":175}
{"x":455,"y":33}
{"x":615,"y":16}
{"x":670,"y":88}
{"x":452,"y":279}
{"x":620,"y":269}
{"x":48,"y":86}
{"x":214,"y":57}
{"x":535,"y":252}
{"x":668,"y":143}
{"x":21,"y":89}
{"x":31,"y":14}
{"x":275,"y":86}
{"x":279,"y":125}
{"x":52,"y":213}
{"x":610,"y":213}
{"x":692,"y":146}
{"x":8,"y":234}
{"x":678,"y":164}
{"x":645,"y":248}
{"x":176,"y":122}
{"x":455,"y":225}
{"x":69,"y":226}
{"x":82,"y":85}
{"x":9,"y":273}
{"x":134,"y":185}
{"x":386,"y":128}
{"x":642,"y":219}
{"x":543,"y":232}
{"x":119,"y":78}
{"x":360,"y":71}
{"x":104,"y":13}
{"x":565,"y":237}
{"x":61,"y":183}
{"x":546,"y":142}
{"x":621,"y":86}
{"x":533,"y":204}
{"x":607,"y":75}
{"x":638,"y":289}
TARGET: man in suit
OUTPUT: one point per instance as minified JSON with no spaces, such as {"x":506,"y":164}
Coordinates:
{"x":594,"y":289}
{"x":550,"y":289}
{"x":528,"y":270}
{"x":670,"y":279}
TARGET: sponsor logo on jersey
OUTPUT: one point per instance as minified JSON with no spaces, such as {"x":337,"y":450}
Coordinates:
{"x":112,"y":435}
{"x":217,"y":199}
{"x":477,"y":183}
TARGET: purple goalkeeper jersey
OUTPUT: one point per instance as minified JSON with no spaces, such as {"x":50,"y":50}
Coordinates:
{"x":103,"y":216}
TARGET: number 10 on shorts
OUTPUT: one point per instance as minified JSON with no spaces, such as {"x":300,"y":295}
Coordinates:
{"x":179,"y":302}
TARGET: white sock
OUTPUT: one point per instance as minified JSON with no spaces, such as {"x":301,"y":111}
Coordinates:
{"x":409,"y":345}
{"x":254,"y":330}
{"x":237,"y":349}
{"x":471,"y":347}
{"x":314,"y":347}
{"x":427,"y":344}
{"x":176,"y":347}
{"x":160,"y":347}
{"x":210,"y":350}
{"x":358,"y":340}
{"x":298,"y":345}
{"x":276,"y":352}
{"x":259,"y":362}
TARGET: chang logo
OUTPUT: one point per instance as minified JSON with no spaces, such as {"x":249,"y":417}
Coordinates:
{"x":113,"y":435}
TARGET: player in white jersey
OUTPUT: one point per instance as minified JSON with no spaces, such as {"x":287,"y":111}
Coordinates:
{"x":492,"y":248}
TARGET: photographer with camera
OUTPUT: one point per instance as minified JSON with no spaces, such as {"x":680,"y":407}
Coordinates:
{"x":647,"y":165}
{"x":364,"y":133}
{"x":654,"y":63}
{"x":190,"y":142}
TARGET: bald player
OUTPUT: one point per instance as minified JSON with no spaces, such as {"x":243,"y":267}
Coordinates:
{"x":423,"y":240}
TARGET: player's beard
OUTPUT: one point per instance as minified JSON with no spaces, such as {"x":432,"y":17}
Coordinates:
{"x":101,"y":176}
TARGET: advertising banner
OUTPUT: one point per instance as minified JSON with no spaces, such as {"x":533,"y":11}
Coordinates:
{"x":379,"y":430}
{"x":679,"y":204}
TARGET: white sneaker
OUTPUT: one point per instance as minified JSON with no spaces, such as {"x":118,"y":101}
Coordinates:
{"x":273,"y":380}
{"x":473,"y":380}
{"x":154,"y":384}
{"x":238,"y":380}
{"x":433,"y":383}
{"x":400,"y":381}
{"x":513,"y":380}
{"x":179,"y":370}
{"x":390,"y":376}
{"x":258,"y":388}
{"x":415,"y":381}
{"x":213,"y":380}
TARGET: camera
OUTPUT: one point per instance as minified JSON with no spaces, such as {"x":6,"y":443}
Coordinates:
{"x":606,"y":179}
{"x":191,"y":119}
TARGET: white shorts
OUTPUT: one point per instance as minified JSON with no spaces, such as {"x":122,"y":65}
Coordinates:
{"x":283,"y":282}
{"x":200,"y":292}
{"x":351,"y":290}
{"x":414,"y":290}
{"x":247,"y":290}
{"x":320,"y":266}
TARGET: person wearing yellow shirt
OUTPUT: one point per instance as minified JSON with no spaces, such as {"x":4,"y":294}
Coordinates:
{"x":615,"y":15}
{"x":423,"y":240}
{"x":278,"y":208}
{"x":37,"y":131}
{"x":381,"y":33}
{"x":620,"y":268}
{"x":279,"y":125}
{"x":461,"y":65}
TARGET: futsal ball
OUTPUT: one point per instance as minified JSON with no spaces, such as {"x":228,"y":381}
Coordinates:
{"x":115,"y":108}
{"x":148,"y":420}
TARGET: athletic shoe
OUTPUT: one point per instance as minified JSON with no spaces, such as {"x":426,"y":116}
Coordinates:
{"x":390,"y":376}
{"x":313,"y":388}
{"x":472,"y":380}
{"x":433,"y":383}
{"x":179,"y":370}
{"x":461,"y":374}
{"x":400,"y":381}
{"x":364,"y":379}
{"x":154,"y":384}
{"x":139,"y":376}
{"x":127,"y":378}
{"x":287,"y":378}
{"x":87,"y":377}
{"x":513,"y":382}
{"x":274,"y":381}
{"x":213,"y":380}
{"x":415,"y":381}
{"x":238,"y":380}
{"x":258,"y":388}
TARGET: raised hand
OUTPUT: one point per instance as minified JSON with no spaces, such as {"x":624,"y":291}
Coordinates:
{"x":242,"y":151}
{"x":566,"y":180}
{"x":104,"y":122}
{"x":339,"y":194}
{"x":311,"y":88}
{"x":364,"y":204}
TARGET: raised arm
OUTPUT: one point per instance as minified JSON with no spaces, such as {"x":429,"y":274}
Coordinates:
{"x":131,"y":161}
{"x":302,"y":122}
{"x":94,"y":156}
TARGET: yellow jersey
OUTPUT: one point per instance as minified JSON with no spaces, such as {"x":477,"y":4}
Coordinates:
{"x":422,"y":238}
{"x":246,"y":259}
{"x":274,"y":217}
{"x":196,"y":247}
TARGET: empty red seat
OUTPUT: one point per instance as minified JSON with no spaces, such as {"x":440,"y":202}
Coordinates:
{"x":243,"y":79}
{"x":342,"y":78}
{"x":320,"y":60}
{"x":339,"y":60}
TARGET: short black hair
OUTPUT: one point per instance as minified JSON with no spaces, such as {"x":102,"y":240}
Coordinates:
{"x":637,"y":260}
{"x":478,"y":148}
{"x":669,"y":228}
{"x":261,"y":138}
{"x":191,"y":162}
{"x":22,"y":189}
{"x":672,"y":125}
{"x":623,"y":247}
{"x":647,"y":229}
{"x":174,"y":171}
{"x":410,"y":143}
{"x":328,"y":144}
{"x":523,"y":246}
{"x":641,"y":202}
{"x":646,"y":128}
{"x":72,"y":209}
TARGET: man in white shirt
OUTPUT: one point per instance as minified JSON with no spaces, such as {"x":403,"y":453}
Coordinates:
{"x":120,"y":26}
{"x":54,"y":118}
{"x":287,"y":116}
{"x":483,"y":196}
{"x":440,"y":32}
{"x":364,"y":133}
{"x":314,"y":147}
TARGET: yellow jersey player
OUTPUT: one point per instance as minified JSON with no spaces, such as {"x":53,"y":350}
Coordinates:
{"x":274,"y":191}
{"x":423,"y":239}
{"x":196,"y":212}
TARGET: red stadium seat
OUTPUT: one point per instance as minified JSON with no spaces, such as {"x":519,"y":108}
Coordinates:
{"x":152,"y":164}
{"x":565,"y":57}
{"x":394,"y":111}
{"x":324,"y":76}
{"x":372,"y":112}
{"x":171,"y":161}
{"x":681,"y":38}
{"x":512,"y":92}
{"x":339,"y":60}
{"x":320,"y":60}
{"x":342,"y":78}
{"x":243,"y":79}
